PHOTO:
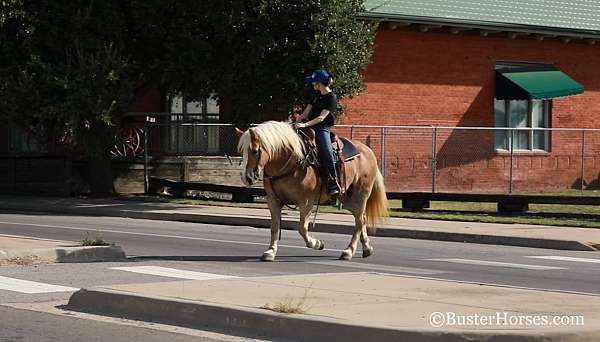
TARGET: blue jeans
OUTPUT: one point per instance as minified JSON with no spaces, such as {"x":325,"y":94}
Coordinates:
{"x":323,"y":140}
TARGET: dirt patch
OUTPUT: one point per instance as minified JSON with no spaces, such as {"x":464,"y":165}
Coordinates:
{"x":24,"y":261}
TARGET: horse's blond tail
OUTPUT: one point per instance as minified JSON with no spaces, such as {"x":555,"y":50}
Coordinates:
{"x":377,"y":204}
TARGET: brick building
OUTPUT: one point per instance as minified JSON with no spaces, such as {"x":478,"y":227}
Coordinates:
{"x":483,"y":64}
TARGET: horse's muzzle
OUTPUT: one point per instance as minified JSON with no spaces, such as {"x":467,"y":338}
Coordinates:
{"x":251,"y":177}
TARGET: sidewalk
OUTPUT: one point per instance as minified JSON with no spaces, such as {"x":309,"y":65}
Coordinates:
{"x":354,"y":307}
{"x":569,"y":238}
{"x":27,"y":250}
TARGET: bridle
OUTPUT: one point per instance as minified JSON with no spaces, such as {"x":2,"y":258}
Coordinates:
{"x":281,"y":174}
{"x":310,"y":159}
{"x":258,"y":156}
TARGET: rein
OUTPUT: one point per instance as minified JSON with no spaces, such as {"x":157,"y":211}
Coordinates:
{"x":283,"y":175}
{"x":272,"y":180}
{"x":304,"y":162}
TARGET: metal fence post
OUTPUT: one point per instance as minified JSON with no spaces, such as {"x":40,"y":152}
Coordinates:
{"x":512,"y":144}
{"x":383,"y":151}
{"x":433,"y":159}
{"x":582,"y":159}
{"x":177,"y":133}
{"x":146,"y":156}
{"x":352,"y":132}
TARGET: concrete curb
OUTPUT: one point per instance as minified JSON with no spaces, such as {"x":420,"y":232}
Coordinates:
{"x":69,"y":254}
{"x":258,"y":323}
{"x":291,"y":224}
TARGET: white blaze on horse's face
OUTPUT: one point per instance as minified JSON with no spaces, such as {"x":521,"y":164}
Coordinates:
{"x":244,"y":164}
{"x":250,"y":167}
{"x":252,"y":162}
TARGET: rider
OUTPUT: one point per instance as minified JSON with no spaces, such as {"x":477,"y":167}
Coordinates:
{"x":319,"y":114}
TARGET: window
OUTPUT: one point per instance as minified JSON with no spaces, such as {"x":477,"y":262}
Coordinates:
{"x":187,"y":130}
{"x":522,"y":114}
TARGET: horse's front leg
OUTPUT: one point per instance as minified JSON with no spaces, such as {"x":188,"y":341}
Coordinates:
{"x":275,"y":208}
{"x":360,"y":221}
{"x":311,"y":242}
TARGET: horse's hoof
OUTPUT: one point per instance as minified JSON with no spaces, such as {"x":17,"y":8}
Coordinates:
{"x":367,"y":252}
{"x":321,"y":245}
{"x":346,"y":256}
{"x":267,"y":257}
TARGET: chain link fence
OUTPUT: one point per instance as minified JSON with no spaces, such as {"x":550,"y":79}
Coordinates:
{"x":191,"y":139}
{"x":414,"y":158}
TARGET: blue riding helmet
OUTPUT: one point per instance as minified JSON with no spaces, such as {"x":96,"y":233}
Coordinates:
{"x":320,"y":76}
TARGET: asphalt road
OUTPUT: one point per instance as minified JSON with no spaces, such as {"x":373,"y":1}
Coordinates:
{"x":234,"y":250}
{"x":29,"y":325}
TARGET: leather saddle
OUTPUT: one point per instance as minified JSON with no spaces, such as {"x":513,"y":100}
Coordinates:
{"x":343,"y":150}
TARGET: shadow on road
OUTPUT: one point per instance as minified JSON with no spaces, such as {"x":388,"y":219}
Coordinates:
{"x":225,"y":258}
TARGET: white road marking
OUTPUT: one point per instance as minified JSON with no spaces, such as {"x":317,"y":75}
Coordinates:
{"x":159,"y":235}
{"x":31,"y":287}
{"x":100,"y":205}
{"x":498,"y":264}
{"x":376,"y":267}
{"x":29,"y":238}
{"x":562,"y":258}
{"x":172,"y":273}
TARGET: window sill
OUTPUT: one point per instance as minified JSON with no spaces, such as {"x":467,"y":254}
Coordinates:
{"x":540,"y":153}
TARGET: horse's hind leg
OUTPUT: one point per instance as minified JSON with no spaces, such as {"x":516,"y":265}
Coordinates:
{"x":358,"y":205}
{"x":275,"y":208}
{"x":311,"y":242}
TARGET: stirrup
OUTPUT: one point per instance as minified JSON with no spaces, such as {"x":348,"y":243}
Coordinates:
{"x":330,"y":190}
{"x":333,"y":192}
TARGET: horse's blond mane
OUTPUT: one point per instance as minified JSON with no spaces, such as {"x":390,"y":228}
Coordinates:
{"x":276,"y":137}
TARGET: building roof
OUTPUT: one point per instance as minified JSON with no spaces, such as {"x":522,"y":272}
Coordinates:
{"x":571,"y":17}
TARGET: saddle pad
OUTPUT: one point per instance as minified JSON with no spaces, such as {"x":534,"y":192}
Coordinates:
{"x":349,"y":150}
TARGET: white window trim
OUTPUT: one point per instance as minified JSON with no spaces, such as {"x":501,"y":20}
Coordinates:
{"x":198,"y":135}
{"x":546,"y":108}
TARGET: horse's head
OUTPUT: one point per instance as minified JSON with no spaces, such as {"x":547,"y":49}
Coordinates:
{"x":254,"y":155}
{"x":272,"y":143}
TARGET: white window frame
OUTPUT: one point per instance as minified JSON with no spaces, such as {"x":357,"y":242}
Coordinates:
{"x":184,"y":137}
{"x":508,"y":141}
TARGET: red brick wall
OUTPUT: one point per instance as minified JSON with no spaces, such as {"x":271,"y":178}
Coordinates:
{"x":437,"y":78}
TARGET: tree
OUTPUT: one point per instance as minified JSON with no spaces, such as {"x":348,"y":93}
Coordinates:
{"x":68,"y":70}
{"x":266,"y":48}
{"x":66,"y":75}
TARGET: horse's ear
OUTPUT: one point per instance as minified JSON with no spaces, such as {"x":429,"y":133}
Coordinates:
{"x":253,"y":135}
{"x":238,"y":132}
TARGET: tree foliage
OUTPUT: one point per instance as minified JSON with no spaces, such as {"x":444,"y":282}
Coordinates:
{"x":273,"y":44}
{"x":69,"y":69}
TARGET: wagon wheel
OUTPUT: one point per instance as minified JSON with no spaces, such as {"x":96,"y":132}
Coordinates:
{"x":128,"y":143}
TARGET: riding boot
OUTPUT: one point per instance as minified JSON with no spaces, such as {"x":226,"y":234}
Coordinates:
{"x":332,"y":186}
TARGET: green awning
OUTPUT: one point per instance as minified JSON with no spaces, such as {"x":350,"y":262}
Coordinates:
{"x":534,"y":83}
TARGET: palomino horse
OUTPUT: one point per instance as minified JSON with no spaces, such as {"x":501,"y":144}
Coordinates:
{"x":275,"y":148}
